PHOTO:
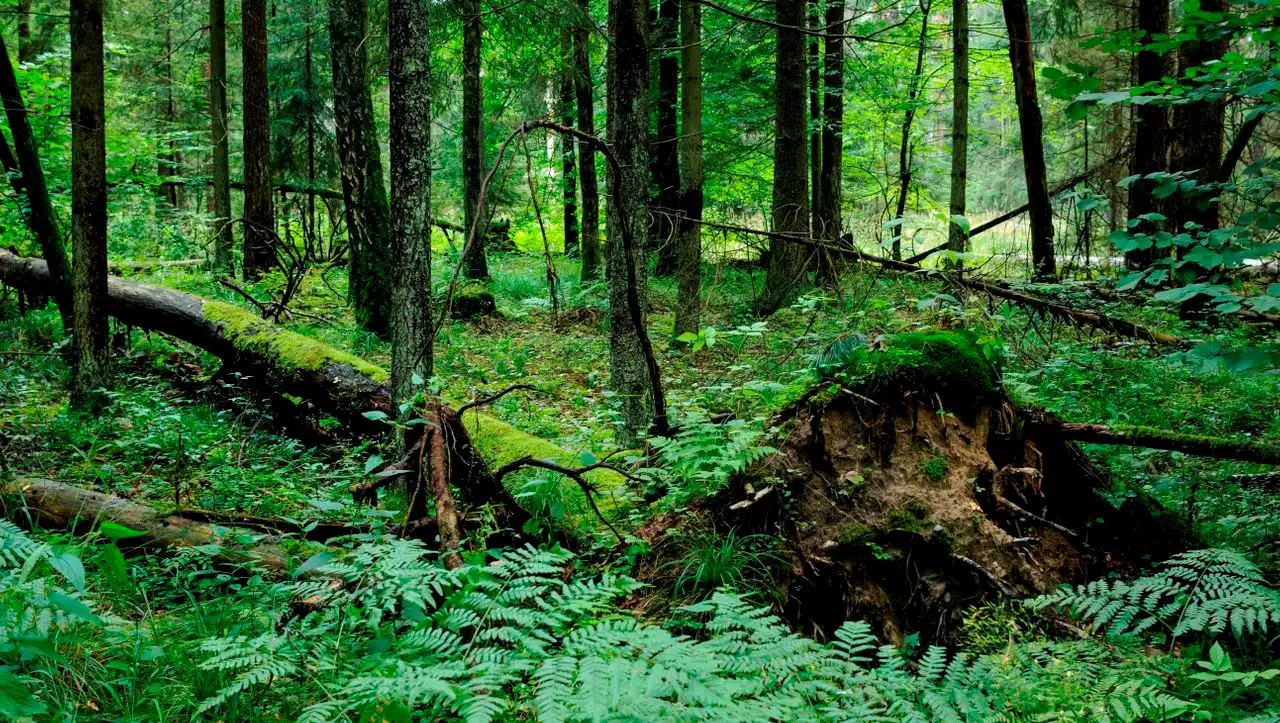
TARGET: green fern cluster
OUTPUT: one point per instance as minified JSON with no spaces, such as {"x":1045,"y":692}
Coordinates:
{"x":386,"y":631}
{"x":1203,"y":591}
{"x":703,"y":456}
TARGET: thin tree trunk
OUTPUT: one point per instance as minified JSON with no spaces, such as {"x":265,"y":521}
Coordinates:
{"x":409,"y":35}
{"x":590,"y":226}
{"x":815,"y":113}
{"x":39,"y":209}
{"x":666,"y":167}
{"x":24,"y":31}
{"x":689,"y":292}
{"x":1151,"y":141}
{"x":259,"y":208}
{"x":628,"y":132}
{"x":365,"y":198}
{"x":309,"y":88}
{"x":908,"y":118}
{"x":1022,"y":60}
{"x":957,"y":236}
{"x":476,"y":264}
{"x":1197,"y":137}
{"x":171,"y":160}
{"x":828,"y":213}
{"x":91,"y":356}
{"x":224,"y":239}
{"x":568,"y":167}
{"x":790,"y":180}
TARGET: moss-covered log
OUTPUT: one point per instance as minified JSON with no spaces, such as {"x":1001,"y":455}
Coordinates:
{"x":1152,"y":438}
{"x":335,"y":381}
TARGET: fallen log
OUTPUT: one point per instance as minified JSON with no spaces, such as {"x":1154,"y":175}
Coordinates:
{"x":62,"y":506}
{"x":336,"y":382}
{"x":1152,"y":438}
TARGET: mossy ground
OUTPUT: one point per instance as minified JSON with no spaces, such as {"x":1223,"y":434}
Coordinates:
{"x":949,"y":364}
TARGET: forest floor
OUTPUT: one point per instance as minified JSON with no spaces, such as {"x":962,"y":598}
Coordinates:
{"x":180,"y":432}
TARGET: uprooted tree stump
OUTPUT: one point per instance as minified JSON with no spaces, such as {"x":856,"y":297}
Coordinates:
{"x":907,"y":488}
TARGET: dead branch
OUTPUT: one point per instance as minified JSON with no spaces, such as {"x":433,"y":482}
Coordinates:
{"x":1215,"y":447}
{"x":576,"y":474}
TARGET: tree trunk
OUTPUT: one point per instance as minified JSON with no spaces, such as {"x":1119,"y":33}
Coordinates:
{"x":787,"y":259}
{"x":1196,"y":147}
{"x":815,"y":114}
{"x":224,"y":238}
{"x":1151,"y":139}
{"x":476,"y":266}
{"x":1030,"y":125}
{"x":367,"y":214}
{"x":259,"y":209}
{"x":24,"y":32}
{"x":689,"y":293}
{"x":590,"y":227}
{"x":908,"y":118}
{"x":628,"y":125}
{"x":170,"y":161}
{"x":568,"y":162}
{"x":666,"y":166}
{"x":39,"y":209}
{"x":308,"y":71}
{"x":828,"y":213}
{"x":409,"y":35}
{"x":91,"y":355}
{"x":956,"y":234}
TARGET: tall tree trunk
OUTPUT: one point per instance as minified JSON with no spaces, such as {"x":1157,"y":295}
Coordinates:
{"x":590,"y":226}
{"x":39,"y":209}
{"x":815,"y":114}
{"x":364,"y":196}
{"x":91,"y":356}
{"x":476,"y":266}
{"x":310,"y":90}
{"x":409,"y":35}
{"x":666,"y":166}
{"x":171,"y":160}
{"x":904,"y":148}
{"x":828,"y":214}
{"x":956,"y":234}
{"x":224,"y":239}
{"x":1196,"y":147}
{"x":259,"y":208}
{"x":689,"y":292}
{"x":568,"y":167}
{"x":1018,"y":23}
{"x":1151,"y":140}
{"x":24,"y":32}
{"x":790,"y":180}
{"x":628,"y":132}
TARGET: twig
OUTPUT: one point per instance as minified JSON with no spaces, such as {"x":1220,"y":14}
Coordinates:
{"x":1037,"y":518}
{"x":1000,"y":585}
{"x":490,"y":399}
{"x":574,"y":474}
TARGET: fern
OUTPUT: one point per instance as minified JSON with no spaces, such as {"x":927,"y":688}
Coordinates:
{"x":1205,"y":591}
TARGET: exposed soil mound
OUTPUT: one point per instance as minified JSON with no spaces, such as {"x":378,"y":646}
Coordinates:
{"x":908,"y":487}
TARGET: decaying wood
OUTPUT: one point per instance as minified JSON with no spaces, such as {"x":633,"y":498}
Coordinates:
{"x":1215,"y":447}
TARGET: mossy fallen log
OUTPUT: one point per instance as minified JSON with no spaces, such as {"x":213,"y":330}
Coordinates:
{"x":336,"y":382}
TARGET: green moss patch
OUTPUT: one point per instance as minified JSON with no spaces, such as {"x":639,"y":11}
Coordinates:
{"x":949,"y":364}
{"x":288,"y":350}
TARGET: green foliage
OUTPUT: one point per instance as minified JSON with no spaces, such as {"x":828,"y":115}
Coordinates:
{"x":701,"y":458}
{"x":1202,"y":591}
{"x":949,"y":364}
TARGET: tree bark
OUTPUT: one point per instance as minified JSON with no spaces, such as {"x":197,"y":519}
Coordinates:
{"x":904,"y":148}
{"x":259,"y":208}
{"x":829,"y":210}
{"x":590,"y":227}
{"x":1197,"y":136}
{"x":170,"y":161}
{"x":39,"y":213}
{"x":1151,"y":139}
{"x":91,"y":350}
{"x":25,"y":53}
{"x":409,"y":36}
{"x":476,"y":265}
{"x":956,"y":234}
{"x":666,"y":165}
{"x":568,"y":162}
{"x":1152,"y":438}
{"x":367,"y":214}
{"x":790,"y":213}
{"x":223,"y":236}
{"x":813,"y":42}
{"x":689,"y":292}
{"x":1021,"y":59}
{"x":628,"y":126}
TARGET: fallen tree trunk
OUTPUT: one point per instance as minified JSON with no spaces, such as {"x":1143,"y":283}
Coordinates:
{"x":1152,"y":438}
{"x":62,"y":506}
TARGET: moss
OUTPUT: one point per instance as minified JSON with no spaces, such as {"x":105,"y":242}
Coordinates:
{"x":950,"y":364}
{"x":912,"y":516}
{"x":856,"y":534}
{"x":934,"y":468}
{"x":286,"y":349}
{"x":471,"y":301}
{"x":824,"y":396}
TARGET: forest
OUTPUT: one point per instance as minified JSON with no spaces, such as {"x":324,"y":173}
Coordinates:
{"x":639,"y":360}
